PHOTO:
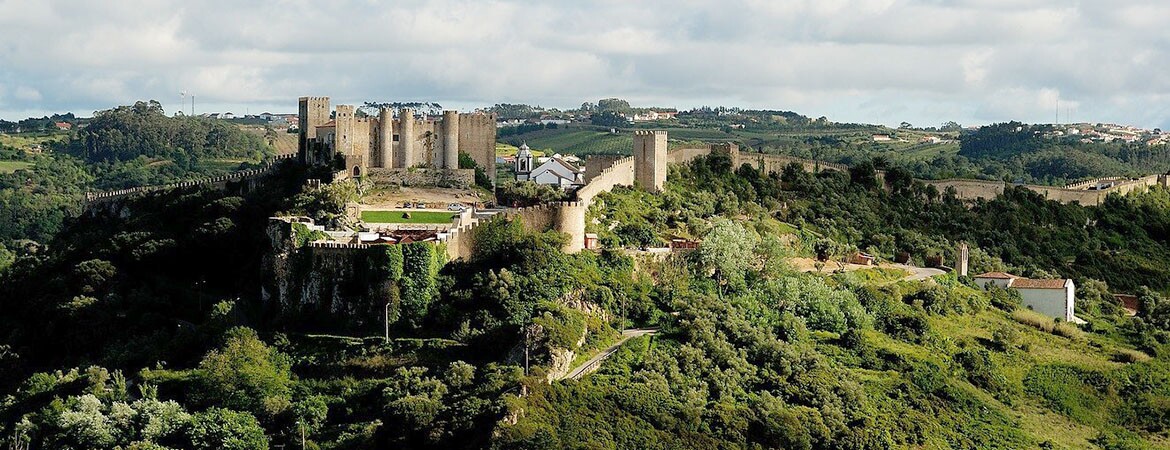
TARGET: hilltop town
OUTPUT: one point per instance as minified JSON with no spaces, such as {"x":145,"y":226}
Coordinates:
{"x":396,"y":274}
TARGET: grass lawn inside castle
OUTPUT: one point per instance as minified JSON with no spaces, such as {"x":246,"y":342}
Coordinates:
{"x":415,"y":216}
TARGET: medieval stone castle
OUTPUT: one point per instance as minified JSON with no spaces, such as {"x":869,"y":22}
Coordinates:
{"x":387,"y":142}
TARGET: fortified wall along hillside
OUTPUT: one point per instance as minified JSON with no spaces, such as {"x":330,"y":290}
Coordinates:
{"x":331,"y":276}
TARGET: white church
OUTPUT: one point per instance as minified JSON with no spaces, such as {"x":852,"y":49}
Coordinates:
{"x":1053,"y":298}
{"x":554,"y":171}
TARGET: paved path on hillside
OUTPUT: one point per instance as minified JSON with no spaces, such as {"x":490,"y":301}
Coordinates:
{"x":913,"y":273}
{"x":918,"y":273}
{"x":596,"y":360}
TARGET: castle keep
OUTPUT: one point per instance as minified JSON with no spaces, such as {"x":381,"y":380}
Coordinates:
{"x":389,"y":142}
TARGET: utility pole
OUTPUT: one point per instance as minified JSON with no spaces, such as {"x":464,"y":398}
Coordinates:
{"x":623,"y":324}
{"x":387,"y":322}
{"x":301,"y":424}
{"x":527,"y":340}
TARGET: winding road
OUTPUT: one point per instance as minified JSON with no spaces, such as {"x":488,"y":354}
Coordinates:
{"x":597,"y":359}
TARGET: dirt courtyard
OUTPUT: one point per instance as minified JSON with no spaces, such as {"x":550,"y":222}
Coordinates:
{"x":393,"y":197}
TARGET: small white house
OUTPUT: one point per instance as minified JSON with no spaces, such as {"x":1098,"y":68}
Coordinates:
{"x":557,"y":172}
{"x":1053,"y":298}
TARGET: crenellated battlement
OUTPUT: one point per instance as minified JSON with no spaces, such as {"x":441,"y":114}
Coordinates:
{"x":1085,"y":184}
{"x":337,"y":245}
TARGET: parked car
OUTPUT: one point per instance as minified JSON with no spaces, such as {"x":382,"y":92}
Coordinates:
{"x":456,"y":207}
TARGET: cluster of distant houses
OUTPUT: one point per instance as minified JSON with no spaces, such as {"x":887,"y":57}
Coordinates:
{"x":565,"y":119}
{"x":1108,"y":132}
{"x":277,"y":120}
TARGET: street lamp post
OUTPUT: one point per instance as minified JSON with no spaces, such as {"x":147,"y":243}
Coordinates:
{"x":387,"y":322}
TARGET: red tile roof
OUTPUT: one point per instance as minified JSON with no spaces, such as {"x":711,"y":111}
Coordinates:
{"x":1028,"y":283}
{"x":999,"y":275}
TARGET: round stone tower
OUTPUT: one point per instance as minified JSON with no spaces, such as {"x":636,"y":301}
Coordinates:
{"x":451,"y":139}
{"x":406,"y":136}
{"x":386,"y":138}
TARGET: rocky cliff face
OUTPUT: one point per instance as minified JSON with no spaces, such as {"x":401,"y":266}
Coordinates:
{"x":322,"y":288}
{"x":561,"y":359}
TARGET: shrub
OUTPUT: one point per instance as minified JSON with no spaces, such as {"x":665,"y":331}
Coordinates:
{"x":1129,"y":356}
{"x":981,"y":370}
{"x":219,"y":428}
{"x":905,"y":324}
{"x":1005,"y":338}
{"x":1006,"y":299}
{"x":1067,"y":330}
{"x":1072,"y":391}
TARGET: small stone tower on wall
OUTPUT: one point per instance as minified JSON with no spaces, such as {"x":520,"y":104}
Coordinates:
{"x":961,"y":266}
{"x":650,"y":159}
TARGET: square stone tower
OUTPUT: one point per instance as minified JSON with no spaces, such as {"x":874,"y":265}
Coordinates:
{"x":650,"y":159}
{"x":344,"y":140}
{"x":312,"y":113}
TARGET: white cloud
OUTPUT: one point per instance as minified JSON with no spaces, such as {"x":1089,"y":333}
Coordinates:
{"x":922,"y":61}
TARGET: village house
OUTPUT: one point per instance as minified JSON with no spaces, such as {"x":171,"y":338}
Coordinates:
{"x":1054,"y":298}
{"x":650,"y":116}
{"x":557,"y":172}
{"x":860,"y":258}
{"x":591,"y":242}
{"x":681,"y":244}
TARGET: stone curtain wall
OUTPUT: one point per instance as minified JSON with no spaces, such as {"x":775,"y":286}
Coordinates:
{"x":975,"y":189}
{"x":683,"y":155}
{"x":564,"y":217}
{"x":220,"y":182}
{"x":1090,"y":183}
{"x":621,"y":172}
{"x":596,"y":164}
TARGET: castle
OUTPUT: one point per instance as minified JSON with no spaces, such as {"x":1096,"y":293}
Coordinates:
{"x":386,"y":142}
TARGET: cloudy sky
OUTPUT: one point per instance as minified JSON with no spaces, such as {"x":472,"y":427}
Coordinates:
{"x":875,"y":61}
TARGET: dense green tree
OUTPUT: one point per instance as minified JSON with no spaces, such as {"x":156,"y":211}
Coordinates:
{"x":246,"y":374}
{"x":609,"y":119}
{"x":219,"y":428}
{"x":727,"y":251}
